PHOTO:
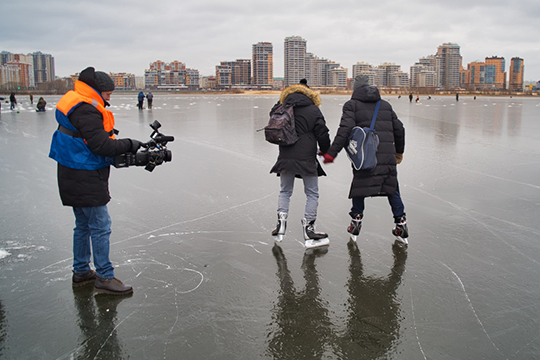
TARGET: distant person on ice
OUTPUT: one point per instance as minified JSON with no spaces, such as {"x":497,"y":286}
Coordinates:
{"x":150,"y":99}
{"x":140,"y":98}
{"x":41,"y":104}
{"x":382,"y":180}
{"x":13,"y":101}
{"x":84,"y":147}
{"x":300,"y":161}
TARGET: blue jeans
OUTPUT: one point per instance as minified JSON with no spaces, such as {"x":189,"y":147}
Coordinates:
{"x":92,"y":227}
{"x":398,"y":209}
{"x":311,"y":189}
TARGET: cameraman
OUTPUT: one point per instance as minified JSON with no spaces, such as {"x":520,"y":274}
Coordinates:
{"x":84,"y":147}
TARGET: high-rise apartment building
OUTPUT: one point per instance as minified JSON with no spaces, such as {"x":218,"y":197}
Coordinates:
{"x":43,"y":67}
{"x":484,"y":75}
{"x":424,"y":72}
{"x":515,"y":74}
{"x":295,"y":59}
{"x":360,"y":68}
{"x":496,"y":72}
{"x":448,"y":66}
{"x":234,"y":73}
{"x":242,"y":72}
{"x":263,"y":65}
{"x":223,"y":76}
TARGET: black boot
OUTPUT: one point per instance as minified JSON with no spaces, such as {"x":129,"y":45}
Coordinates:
{"x":400,"y":230}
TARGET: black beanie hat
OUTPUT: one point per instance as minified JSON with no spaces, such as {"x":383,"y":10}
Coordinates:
{"x":104,"y":81}
{"x":97,"y":79}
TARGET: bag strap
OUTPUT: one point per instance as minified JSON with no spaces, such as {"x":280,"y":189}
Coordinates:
{"x":375,"y":115}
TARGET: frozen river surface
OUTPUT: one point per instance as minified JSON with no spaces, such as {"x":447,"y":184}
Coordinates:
{"x":193,"y":239}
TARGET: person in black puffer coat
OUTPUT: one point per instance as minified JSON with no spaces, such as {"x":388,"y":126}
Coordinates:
{"x":300,"y":160}
{"x":382,"y":180}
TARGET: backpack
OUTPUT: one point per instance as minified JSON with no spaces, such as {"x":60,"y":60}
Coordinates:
{"x":281,"y":129}
{"x":363,"y":144}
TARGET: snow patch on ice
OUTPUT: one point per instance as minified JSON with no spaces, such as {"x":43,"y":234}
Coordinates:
{"x":4,"y":253}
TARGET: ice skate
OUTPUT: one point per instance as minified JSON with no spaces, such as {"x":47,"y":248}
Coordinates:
{"x":400,"y":230}
{"x":279,"y":232}
{"x":355,"y":226}
{"x":312,"y":238}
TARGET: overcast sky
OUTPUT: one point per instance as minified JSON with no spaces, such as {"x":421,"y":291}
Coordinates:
{"x":127,"y":35}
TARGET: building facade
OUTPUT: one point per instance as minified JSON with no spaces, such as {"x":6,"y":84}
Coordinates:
{"x":384,"y":75}
{"x":17,"y":71}
{"x":487,"y":75}
{"x":123,"y":81}
{"x":263,"y":65}
{"x":448,"y":66}
{"x":295,"y":59}
{"x":515,"y":74}
{"x":43,"y":67}
{"x":171,"y":76}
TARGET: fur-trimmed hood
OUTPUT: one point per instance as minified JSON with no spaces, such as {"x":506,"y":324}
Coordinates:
{"x":301,"y":89}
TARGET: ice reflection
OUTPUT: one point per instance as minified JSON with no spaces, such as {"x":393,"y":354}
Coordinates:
{"x":300,"y":317}
{"x":373,"y":309}
{"x":97,"y":321}
{"x":301,"y":323}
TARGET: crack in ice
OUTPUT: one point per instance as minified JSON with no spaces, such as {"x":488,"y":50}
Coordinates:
{"x":471,"y":305}
{"x":416,"y":329}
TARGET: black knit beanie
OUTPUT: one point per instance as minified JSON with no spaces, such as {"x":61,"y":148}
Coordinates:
{"x":104,"y":81}
{"x":97,"y":79}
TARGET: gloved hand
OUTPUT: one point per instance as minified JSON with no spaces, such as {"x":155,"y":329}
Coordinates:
{"x":399,"y":158}
{"x":135,"y":145}
{"x":328,"y":159}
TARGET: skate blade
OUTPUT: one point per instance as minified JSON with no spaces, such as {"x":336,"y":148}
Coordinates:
{"x":310,"y":244}
{"x":401,"y":240}
{"x":353,"y":237}
{"x":279,"y":238}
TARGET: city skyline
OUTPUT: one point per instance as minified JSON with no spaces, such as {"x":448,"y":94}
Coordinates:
{"x":126,"y":36}
{"x":444,"y":70}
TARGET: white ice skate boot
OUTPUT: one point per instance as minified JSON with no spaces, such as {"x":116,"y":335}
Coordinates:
{"x":355,"y":226}
{"x":400,"y":231}
{"x":279,"y":232}
{"x":312,"y":238}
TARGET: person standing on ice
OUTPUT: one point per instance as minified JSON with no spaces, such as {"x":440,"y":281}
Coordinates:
{"x":84,"y":145}
{"x":150,"y":99}
{"x":300,"y":160}
{"x":382,"y":180}
{"x":13,"y":101}
{"x":140,"y":99}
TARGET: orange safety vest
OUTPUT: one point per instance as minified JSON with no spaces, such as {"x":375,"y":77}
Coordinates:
{"x":68,"y":147}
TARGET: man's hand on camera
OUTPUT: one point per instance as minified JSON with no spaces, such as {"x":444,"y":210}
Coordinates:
{"x":135,"y":145}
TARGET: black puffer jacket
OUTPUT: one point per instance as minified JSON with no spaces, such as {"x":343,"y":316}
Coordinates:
{"x":358,"y":111}
{"x":85,"y":188}
{"x":301,"y":157}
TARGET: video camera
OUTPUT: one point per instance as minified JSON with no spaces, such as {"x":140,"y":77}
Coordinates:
{"x":151,"y":154}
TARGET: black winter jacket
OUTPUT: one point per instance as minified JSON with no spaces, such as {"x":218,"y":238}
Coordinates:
{"x":301,"y":157}
{"x":358,"y":111}
{"x":85,"y":188}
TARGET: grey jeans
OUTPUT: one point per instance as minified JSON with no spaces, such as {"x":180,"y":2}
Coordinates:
{"x":311,"y":189}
